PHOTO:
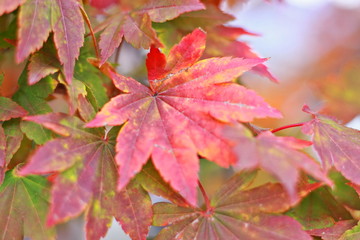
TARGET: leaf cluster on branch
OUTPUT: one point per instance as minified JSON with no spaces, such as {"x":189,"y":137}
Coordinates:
{"x":116,"y":140}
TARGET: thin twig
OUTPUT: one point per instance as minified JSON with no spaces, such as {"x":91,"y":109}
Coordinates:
{"x":87,"y":20}
{"x":205,"y":196}
{"x":288,"y":126}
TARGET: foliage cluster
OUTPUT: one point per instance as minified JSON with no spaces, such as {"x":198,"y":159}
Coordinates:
{"x":118,"y":140}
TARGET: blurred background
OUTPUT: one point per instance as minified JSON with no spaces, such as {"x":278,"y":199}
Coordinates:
{"x":314,"y":46}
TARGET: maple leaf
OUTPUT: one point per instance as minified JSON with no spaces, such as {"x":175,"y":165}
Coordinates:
{"x":45,"y":62}
{"x":277,"y":155}
{"x":320,"y":209}
{"x":85,"y":158}
{"x":221,"y":40}
{"x":10,"y":109}
{"x":10,"y":140}
{"x":337,"y":145}
{"x":334,"y":232}
{"x":181,"y":114}
{"x":234,"y":213}
{"x":24,"y":204}
{"x":135,"y":24}
{"x":37,"y":18}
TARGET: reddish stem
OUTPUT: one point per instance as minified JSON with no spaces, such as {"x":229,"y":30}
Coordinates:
{"x":205,"y":196}
{"x":288,"y":126}
{"x":88,"y":23}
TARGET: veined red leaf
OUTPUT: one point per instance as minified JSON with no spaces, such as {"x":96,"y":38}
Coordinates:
{"x":135,"y":25}
{"x":235,"y":213}
{"x":14,"y":137}
{"x":337,"y":145}
{"x":85,"y":158}
{"x":24,"y":204}
{"x":278,"y":155}
{"x":334,"y":232}
{"x":68,"y":26}
{"x":221,"y":41}
{"x":137,"y":30}
{"x":7,"y":6}
{"x":34,"y":27}
{"x":134,"y":211}
{"x":180,"y":115}
{"x":10,"y":109}
{"x":39,"y":17}
{"x":10,"y":140}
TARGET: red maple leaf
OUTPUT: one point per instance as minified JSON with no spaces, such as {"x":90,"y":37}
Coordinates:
{"x":10,"y":140}
{"x":181,"y":114}
{"x":133,"y":22}
{"x":233,"y":213}
{"x":221,"y":40}
{"x":278,"y":155}
{"x":337,"y":145}
{"x":10,"y":109}
{"x":86,"y":179}
{"x":37,"y":18}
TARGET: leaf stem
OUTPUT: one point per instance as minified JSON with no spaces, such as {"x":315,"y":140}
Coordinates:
{"x":88,"y":23}
{"x":287,"y":126}
{"x":205,"y":196}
